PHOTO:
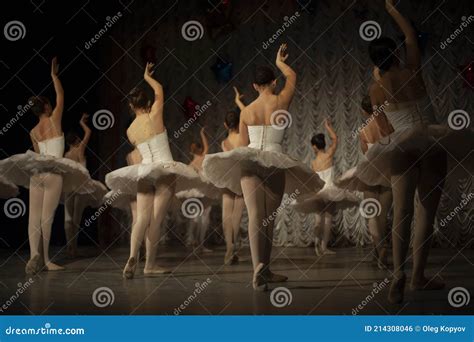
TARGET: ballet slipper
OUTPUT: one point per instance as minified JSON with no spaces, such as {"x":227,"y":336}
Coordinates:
{"x":51,"y":267}
{"x":317,"y":250}
{"x":259,"y":281}
{"x":34,"y":265}
{"x":229,"y":257}
{"x":327,"y":251}
{"x":274,"y":278}
{"x":156,"y":270}
{"x":206,"y":250}
{"x":130,"y":267}
{"x":425,"y":284}
{"x":397,"y":289}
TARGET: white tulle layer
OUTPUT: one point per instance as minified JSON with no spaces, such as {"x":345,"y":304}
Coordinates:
{"x":329,"y":198}
{"x":7,"y":188}
{"x":126,"y":178}
{"x":20,"y":167}
{"x":224,"y":169}
{"x":119,"y":200}
{"x":199,"y":187}
{"x":92,"y":194}
{"x":417,"y":142}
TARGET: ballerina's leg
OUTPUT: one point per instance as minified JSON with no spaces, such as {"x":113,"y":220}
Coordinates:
{"x":203,"y":224}
{"x":69,"y":229}
{"x":318,"y":221}
{"x":53,"y":184}
{"x":238,"y":208}
{"x":227,"y":225}
{"x":430,"y":186}
{"x":327,"y":228}
{"x":34,"y":223}
{"x":385,"y":200}
{"x":164,"y":192}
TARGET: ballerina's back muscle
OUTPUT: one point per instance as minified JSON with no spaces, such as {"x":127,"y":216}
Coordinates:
{"x":144,"y":127}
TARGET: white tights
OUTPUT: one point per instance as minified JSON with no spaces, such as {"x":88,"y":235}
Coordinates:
{"x":152,"y":206}
{"x":45,"y":192}
{"x":197,"y":227}
{"x":232,"y":208}
{"x":322,"y":231}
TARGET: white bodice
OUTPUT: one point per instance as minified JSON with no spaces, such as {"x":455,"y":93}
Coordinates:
{"x":326,"y":175}
{"x":52,"y":147}
{"x":410,"y":114}
{"x":155,"y":149}
{"x":266,"y":138}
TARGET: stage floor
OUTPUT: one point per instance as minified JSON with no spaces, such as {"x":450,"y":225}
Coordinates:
{"x":334,"y":285}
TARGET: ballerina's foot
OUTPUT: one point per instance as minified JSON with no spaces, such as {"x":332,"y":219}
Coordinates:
{"x":327,"y":251}
{"x":130,"y":267}
{"x":33,"y":266}
{"x":259,"y":281}
{"x":317,"y":250}
{"x":397,"y":289}
{"x":206,"y":250}
{"x":230,"y":258}
{"x":275,"y":278}
{"x":156,"y":270}
{"x":426,"y":284}
{"x":53,"y":267}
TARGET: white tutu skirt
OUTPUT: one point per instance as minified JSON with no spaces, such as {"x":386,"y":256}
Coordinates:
{"x":7,"y":188}
{"x":416,"y":143}
{"x":224,"y":169}
{"x":354,"y":179}
{"x":92,"y":193}
{"x":118,"y":200}
{"x":20,"y":167}
{"x":126,"y":178}
{"x":329,"y":198}
{"x":199,"y":187}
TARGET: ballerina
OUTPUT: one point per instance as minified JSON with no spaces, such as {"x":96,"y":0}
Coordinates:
{"x":153,"y":180}
{"x":232,"y":204}
{"x":261,"y":171}
{"x":369,"y":134}
{"x":413,"y":158}
{"x":75,"y":203}
{"x":46,"y":173}
{"x":200,"y":193}
{"x":330,"y":198}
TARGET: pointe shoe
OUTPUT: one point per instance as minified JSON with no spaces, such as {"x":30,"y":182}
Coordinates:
{"x":425,"y":284}
{"x":274,"y":278}
{"x":229,"y":257}
{"x":156,"y":270}
{"x":317,"y":250}
{"x":327,"y":251}
{"x":33,"y":266}
{"x":53,"y":267}
{"x":130,"y":267}
{"x":259,"y":281}
{"x":397,"y":289}
{"x":206,"y":250}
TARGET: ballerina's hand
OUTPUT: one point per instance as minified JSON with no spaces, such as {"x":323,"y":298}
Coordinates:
{"x":54,"y":67}
{"x":389,"y":5}
{"x":84,"y":118}
{"x":149,"y":69}
{"x":376,"y":73}
{"x":327,"y":123}
{"x":238,"y":95}
{"x":282,"y":55}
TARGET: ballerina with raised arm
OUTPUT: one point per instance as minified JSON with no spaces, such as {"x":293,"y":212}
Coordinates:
{"x":75,"y":202}
{"x":261,"y":171}
{"x":153,"y":180}
{"x":46,"y":173}
{"x":330,"y":198}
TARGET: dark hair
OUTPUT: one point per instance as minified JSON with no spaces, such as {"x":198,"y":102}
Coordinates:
{"x":196,"y":147}
{"x":318,"y":141}
{"x":39,"y":104}
{"x":138,"y":99}
{"x":366,"y":104}
{"x":232,"y":120}
{"x":382,"y":52}
{"x":263,"y":75}
{"x":72,"y":138}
